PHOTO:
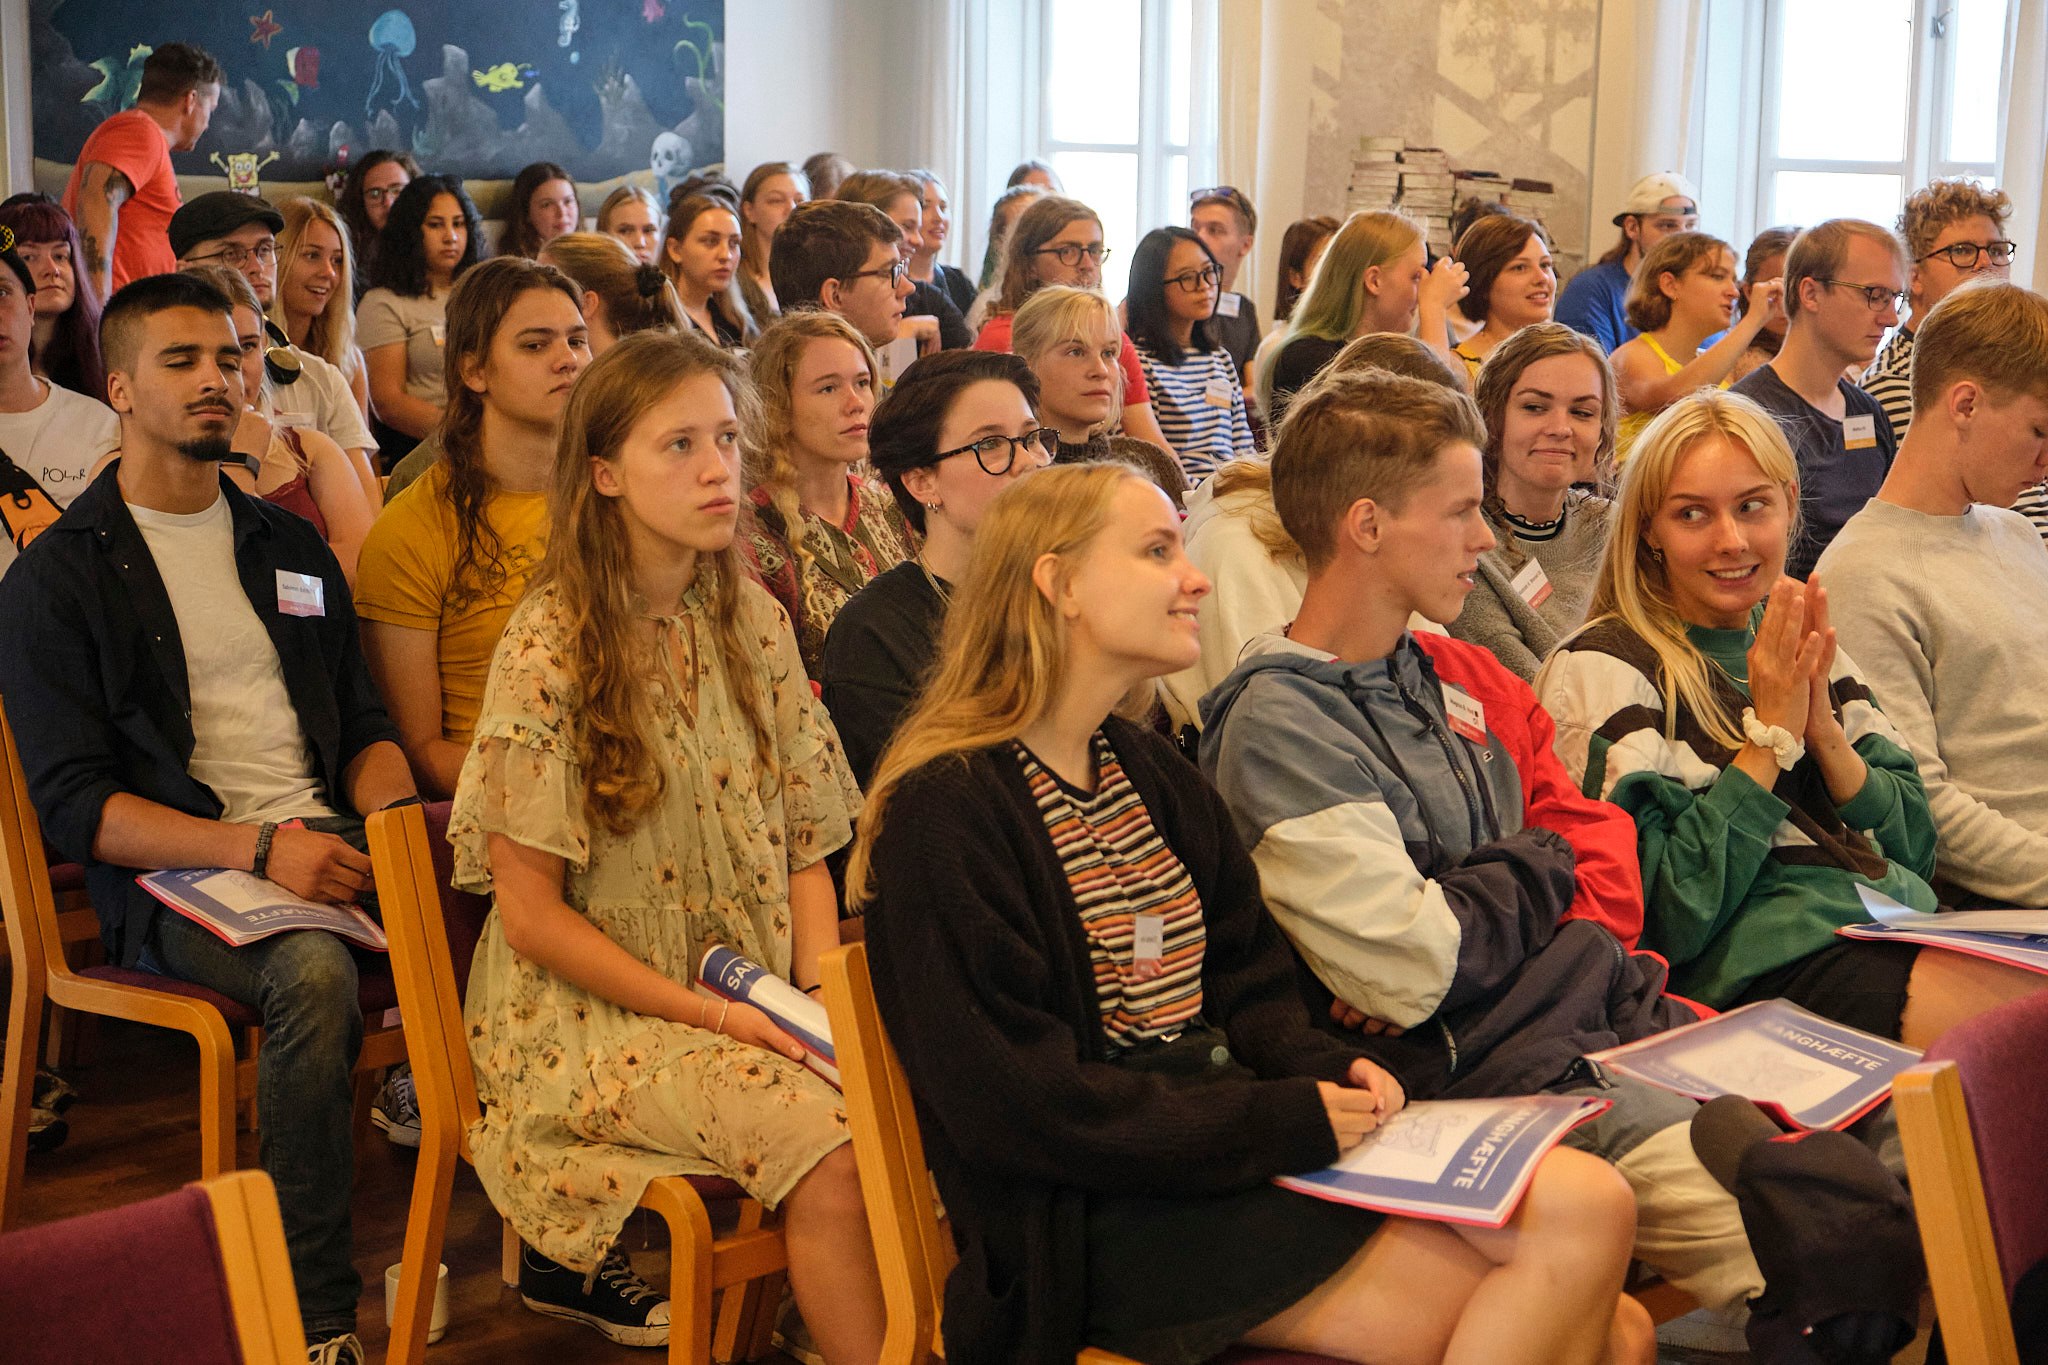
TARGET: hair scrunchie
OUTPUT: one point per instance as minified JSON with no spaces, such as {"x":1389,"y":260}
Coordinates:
{"x":648,"y":281}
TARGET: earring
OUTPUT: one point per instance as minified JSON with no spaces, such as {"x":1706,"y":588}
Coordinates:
{"x":931,"y":507}
{"x":1656,"y":554}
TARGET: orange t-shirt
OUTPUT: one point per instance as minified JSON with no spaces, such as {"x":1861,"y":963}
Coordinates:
{"x":134,"y":144}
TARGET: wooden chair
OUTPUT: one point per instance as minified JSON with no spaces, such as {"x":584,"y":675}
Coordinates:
{"x":1972,"y":1116}
{"x":433,"y":931}
{"x":41,"y":973}
{"x":915,"y":1255}
{"x":200,"y":1277}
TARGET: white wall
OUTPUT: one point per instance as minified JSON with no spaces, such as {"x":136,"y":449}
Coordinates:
{"x":14,"y":115}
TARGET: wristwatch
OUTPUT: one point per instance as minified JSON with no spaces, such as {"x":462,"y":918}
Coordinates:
{"x":264,"y":834}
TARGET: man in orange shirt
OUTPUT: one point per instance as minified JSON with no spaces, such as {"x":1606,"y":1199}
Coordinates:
{"x":123,"y":192}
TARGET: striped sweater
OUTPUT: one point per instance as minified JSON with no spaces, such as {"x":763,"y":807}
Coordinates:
{"x":1737,"y":881}
{"x":1200,"y":406}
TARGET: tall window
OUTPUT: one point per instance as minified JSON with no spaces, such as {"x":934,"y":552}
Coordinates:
{"x":1866,"y":100}
{"x":1127,"y":112}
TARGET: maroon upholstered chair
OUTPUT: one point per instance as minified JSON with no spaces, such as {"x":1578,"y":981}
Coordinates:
{"x":1972,"y":1116}
{"x":199,"y":1277}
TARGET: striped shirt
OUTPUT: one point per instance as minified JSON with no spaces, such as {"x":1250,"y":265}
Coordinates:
{"x":1200,"y":406}
{"x":1119,"y":869}
{"x":1890,"y":380}
{"x":2033,"y":505}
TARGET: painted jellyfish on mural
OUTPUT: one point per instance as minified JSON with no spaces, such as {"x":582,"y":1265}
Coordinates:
{"x":392,"y":37}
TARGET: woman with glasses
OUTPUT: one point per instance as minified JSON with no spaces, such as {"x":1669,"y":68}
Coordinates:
{"x":1059,"y":241}
{"x":431,"y":238}
{"x":1954,"y":231}
{"x":368,"y":191}
{"x":958,"y":428}
{"x":700,"y":254}
{"x":1197,"y":397}
{"x":819,"y":532}
{"x":1684,"y":292}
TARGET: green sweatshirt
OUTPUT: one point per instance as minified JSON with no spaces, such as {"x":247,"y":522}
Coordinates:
{"x":1737,"y":881}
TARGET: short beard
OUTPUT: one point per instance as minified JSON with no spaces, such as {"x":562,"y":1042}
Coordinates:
{"x":207,"y":449}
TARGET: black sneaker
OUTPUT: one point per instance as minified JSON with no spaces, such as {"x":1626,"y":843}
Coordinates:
{"x":614,"y":1300}
{"x":397,"y":1108}
{"x":46,"y":1132}
{"x":52,"y":1091}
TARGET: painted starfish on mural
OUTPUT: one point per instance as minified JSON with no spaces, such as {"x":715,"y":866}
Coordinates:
{"x":264,"y":27}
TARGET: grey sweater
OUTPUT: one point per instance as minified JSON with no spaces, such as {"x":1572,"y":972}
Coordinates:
{"x":1946,"y":617}
{"x":1497,"y":618}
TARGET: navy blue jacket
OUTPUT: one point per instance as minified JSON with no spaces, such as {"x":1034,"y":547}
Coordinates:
{"x":93,"y":674}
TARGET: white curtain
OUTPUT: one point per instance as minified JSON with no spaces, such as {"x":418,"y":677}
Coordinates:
{"x":2024,"y":144}
{"x":1643,"y":104}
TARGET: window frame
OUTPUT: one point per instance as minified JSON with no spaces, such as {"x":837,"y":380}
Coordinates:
{"x":1931,"y":59}
{"x":1154,"y":151}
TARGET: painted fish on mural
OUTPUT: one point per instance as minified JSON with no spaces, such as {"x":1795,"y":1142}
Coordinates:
{"x":504,"y":76}
{"x":304,"y":64}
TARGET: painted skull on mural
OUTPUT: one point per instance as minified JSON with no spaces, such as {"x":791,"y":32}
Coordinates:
{"x":669,"y":159}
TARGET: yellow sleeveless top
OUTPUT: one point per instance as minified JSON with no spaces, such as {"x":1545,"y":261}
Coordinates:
{"x":1632,"y":423}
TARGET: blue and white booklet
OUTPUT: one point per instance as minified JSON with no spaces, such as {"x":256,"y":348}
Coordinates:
{"x":729,"y":976}
{"x":2019,"y":937}
{"x":1452,"y":1161}
{"x":1804,"y":1071}
{"x":241,"y":907}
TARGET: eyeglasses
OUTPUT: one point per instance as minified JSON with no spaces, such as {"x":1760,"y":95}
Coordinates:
{"x":996,"y":454}
{"x":234,"y":257}
{"x":1196,"y":281}
{"x":893,"y":273}
{"x":1070,"y":253}
{"x":383,"y":194}
{"x":1230,"y":192}
{"x":1876,"y":295}
{"x":1965,"y":255}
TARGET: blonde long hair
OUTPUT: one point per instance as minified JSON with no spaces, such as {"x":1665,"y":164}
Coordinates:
{"x":589,"y":566}
{"x":1333,"y":300}
{"x":1632,"y":590}
{"x":332,"y":334}
{"x":773,"y":368}
{"x":1003,"y":652}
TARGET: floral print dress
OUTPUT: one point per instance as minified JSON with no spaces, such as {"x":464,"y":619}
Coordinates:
{"x":585,"y":1102}
{"x":836,"y":561}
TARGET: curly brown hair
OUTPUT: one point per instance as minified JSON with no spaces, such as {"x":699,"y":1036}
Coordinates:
{"x":1941,"y":202}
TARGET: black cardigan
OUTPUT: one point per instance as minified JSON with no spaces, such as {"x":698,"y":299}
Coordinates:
{"x":982,"y":975}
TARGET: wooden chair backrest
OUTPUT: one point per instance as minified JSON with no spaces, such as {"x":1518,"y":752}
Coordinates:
{"x":26,"y":901}
{"x":256,"y":1267}
{"x":410,"y":893}
{"x":1955,"y":1219}
{"x":914,"y":1252}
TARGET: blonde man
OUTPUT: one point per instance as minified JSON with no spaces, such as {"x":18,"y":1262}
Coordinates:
{"x":1937,"y":588}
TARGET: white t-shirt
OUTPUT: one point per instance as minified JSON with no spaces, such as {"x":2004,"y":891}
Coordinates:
{"x":56,"y":443}
{"x":248,"y":746}
{"x":320,"y":399}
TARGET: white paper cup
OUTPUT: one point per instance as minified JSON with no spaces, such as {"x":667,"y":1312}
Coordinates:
{"x":438,"y":1323}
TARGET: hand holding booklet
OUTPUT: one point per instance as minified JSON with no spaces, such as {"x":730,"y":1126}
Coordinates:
{"x":729,"y":976}
{"x":1453,"y":1161}
{"x":241,"y":908}
{"x":1803,"y":1070}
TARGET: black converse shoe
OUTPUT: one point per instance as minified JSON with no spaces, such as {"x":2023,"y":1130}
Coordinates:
{"x":614,"y":1300}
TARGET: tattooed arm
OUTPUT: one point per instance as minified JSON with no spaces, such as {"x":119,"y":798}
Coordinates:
{"x":101,"y":192}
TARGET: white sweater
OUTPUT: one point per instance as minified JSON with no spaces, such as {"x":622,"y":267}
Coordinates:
{"x":1948,"y":617}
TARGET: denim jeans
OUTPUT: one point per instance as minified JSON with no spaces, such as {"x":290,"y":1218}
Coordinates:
{"x":304,"y":985}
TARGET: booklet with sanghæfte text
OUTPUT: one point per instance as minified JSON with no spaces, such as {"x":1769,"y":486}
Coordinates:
{"x":1803,"y":1070}
{"x":241,"y":908}
{"x":1452,"y":1161}
{"x":2018,"y":937}
{"x":730,"y":976}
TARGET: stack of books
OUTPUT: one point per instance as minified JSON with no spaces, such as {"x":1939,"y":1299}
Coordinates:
{"x":1375,"y":175}
{"x":1534,"y":199}
{"x":1428,"y":193}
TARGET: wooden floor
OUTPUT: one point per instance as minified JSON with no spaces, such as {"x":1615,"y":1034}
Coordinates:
{"x":133,"y":1136}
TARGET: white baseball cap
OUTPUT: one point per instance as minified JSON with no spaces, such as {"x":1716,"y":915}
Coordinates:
{"x":1651,"y":191}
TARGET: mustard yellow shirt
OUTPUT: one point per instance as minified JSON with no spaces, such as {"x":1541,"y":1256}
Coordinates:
{"x":407,"y":569}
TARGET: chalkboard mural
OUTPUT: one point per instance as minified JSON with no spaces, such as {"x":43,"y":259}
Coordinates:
{"x":605,"y":87}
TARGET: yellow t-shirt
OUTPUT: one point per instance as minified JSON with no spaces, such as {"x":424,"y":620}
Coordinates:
{"x":405,"y":571}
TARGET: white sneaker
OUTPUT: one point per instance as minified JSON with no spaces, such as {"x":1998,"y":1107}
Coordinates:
{"x":341,"y":1350}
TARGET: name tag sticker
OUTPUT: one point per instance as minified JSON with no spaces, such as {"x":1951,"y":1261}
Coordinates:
{"x":1219,"y":394}
{"x":1466,"y":713}
{"x":300,"y":594}
{"x":1148,"y":945}
{"x":1227,"y":304}
{"x":439,"y":331}
{"x":1532,"y":584}
{"x":1859,"y":432}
